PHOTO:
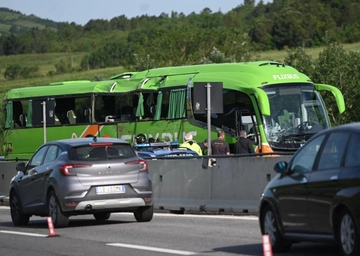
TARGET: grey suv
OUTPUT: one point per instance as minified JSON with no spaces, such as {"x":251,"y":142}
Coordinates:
{"x":81,"y":176}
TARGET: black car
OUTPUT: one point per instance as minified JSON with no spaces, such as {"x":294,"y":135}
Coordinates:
{"x":70,"y":177}
{"x":316,"y":195}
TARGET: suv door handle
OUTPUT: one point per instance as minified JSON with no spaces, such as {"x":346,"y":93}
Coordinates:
{"x":304,"y":180}
{"x":334,"y":178}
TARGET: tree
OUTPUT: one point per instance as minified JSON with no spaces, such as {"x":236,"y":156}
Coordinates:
{"x":120,"y":23}
{"x":260,"y":34}
{"x":143,"y":63}
{"x":288,"y":30}
{"x":297,"y":58}
{"x":337,"y":67}
{"x":12,"y":72}
{"x":217,"y":56}
{"x":98,"y":25}
{"x":11,"y":45}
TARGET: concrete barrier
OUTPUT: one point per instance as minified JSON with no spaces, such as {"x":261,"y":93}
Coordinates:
{"x":233,"y":186}
{"x":7,"y":171}
{"x":237,"y":183}
{"x":180,"y":185}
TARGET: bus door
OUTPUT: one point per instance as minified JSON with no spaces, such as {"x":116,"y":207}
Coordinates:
{"x":38,"y":112}
{"x":246,"y":121}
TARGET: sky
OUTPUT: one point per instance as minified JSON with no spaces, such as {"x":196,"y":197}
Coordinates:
{"x":81,"y":11}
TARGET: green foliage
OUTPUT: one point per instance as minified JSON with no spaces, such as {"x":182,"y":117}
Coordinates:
{"x":16,"y":22}
{"x":63,"y":67}
{"x":16,"y":71}
{"x":340,"y":68}
{"x":113,"y":53}
{"x":334,"y":66}
{"x":143,"y":63}
{"x":217,"y":56}
{"x":298,"y":58}
{"x":2,"y":131}
{"x":46,"y":80}
{"x":12,"y":72}
{"x":177,"y":39}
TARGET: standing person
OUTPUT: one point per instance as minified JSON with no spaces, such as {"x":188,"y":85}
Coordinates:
{"x":244,"y":145}
{"x":219,"y":146}
{"x":204,"y":146}
{"x":191,"y":144}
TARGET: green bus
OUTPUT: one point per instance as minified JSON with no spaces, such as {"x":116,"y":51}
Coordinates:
{"x":276,"y":104}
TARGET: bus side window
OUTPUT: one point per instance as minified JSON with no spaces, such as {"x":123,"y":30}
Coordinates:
{"x":164,"y":111}
{"x":127,"y":113}
{"x":17,"y":112}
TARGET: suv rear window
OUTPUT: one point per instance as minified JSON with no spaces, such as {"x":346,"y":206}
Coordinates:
{"x":101,"y":152}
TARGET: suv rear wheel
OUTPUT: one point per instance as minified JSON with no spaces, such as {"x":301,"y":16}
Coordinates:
{"x":58,"y":218}
{"x":144,"y":214}
{"x":18,"y":218}
{"x":348,"y":235}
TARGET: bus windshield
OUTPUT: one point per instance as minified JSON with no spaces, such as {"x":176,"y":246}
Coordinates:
{"x":296,"y":113}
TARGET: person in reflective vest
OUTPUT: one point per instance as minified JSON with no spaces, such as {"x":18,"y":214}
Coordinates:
{"x":191,"y":144}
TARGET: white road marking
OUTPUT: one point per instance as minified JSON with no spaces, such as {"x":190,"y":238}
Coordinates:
{"x":154,"y":249}
{"x":199,"y":216}
{"x":22,"y":233}
{"x":209,"y":216}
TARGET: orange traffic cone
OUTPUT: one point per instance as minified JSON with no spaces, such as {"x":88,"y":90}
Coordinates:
{"x":267,"y":245}
{"x":51,"y":227}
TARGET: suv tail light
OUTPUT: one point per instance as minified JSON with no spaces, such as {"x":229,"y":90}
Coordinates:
{"x":143,"y":164}
{"x":65,"y":169}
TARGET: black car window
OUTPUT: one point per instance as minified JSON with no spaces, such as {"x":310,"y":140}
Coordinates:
{"x":37,"y":159}
{"x":353,"y":152}
{"x":333,"y":150}
{"x":52,"y":154}
{"x":89,"y":153}
{"x":304,"y":160}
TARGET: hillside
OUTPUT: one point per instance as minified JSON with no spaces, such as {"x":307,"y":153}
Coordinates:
{"x":46,"y":63}
{"x":16,"y":22}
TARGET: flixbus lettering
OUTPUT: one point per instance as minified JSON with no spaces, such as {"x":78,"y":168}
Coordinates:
{"x":285,"y":76}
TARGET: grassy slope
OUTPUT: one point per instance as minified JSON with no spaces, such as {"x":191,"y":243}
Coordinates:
{"x":25,"y":21}
{"x":46,"y":62}
{"x":314,"y":52}
{"x":96,"y":74}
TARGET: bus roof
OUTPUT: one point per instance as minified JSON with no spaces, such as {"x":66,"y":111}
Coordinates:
{"x":233,"y":75}
{"x":65,"y":88}
{"x":246,"y":76}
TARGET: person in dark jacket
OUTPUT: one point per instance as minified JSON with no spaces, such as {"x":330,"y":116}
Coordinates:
{"x":204,"y":146}
{"x":219,"y":146}
{"x":244,"y":145}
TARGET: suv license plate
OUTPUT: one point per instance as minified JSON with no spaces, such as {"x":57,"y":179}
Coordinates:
{"x":110,"y":190}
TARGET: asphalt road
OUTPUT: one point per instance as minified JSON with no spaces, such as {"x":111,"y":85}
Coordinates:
{"x":166,"y":234}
